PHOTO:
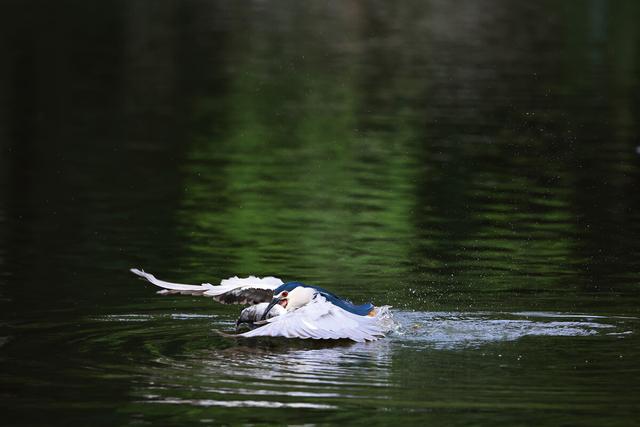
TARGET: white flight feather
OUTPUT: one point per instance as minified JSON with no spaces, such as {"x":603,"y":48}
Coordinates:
{"x":320,"y":319}
{"x":225,"y":286}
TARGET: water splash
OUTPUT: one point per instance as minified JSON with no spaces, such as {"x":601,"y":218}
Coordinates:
{"x":450,"y":330}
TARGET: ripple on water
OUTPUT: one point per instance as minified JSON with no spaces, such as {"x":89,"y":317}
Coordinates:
{"x":440,"y":330}
{"x":193,"y":366}
{"x":244,"y":403}
{"x":150,"y":317}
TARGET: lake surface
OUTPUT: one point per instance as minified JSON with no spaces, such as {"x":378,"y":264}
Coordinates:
{"x":474,"y":165}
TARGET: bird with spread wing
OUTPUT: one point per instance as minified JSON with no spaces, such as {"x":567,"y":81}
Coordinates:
{"x":291,"y":310}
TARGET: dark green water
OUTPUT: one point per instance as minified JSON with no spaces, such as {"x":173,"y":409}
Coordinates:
{"x":475,"y":165}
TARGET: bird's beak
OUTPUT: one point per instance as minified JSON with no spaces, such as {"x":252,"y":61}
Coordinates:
{"x":269,"y":307}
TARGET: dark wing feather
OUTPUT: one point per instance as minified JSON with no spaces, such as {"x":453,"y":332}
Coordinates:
{"x":249,"y":296}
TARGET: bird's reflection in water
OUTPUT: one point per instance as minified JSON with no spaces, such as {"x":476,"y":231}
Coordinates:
{"x":295,"y":372}
{"x":313,"y":361}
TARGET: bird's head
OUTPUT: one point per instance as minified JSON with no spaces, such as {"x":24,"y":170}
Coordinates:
{"x":291,"y":297}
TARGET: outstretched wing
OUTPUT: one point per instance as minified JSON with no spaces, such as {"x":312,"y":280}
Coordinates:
{"x":251,"y":290}
{"x":320,"y":319}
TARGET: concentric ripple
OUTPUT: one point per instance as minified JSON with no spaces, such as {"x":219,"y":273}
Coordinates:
{"x":192,"y":366}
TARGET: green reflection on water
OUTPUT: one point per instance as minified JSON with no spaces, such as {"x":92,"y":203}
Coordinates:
{"x":310,"y":194}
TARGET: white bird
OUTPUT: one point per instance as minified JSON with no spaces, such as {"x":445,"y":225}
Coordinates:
{"x":291,"y":310}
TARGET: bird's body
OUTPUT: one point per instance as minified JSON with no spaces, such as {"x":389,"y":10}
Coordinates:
{"x":292,"y":310}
